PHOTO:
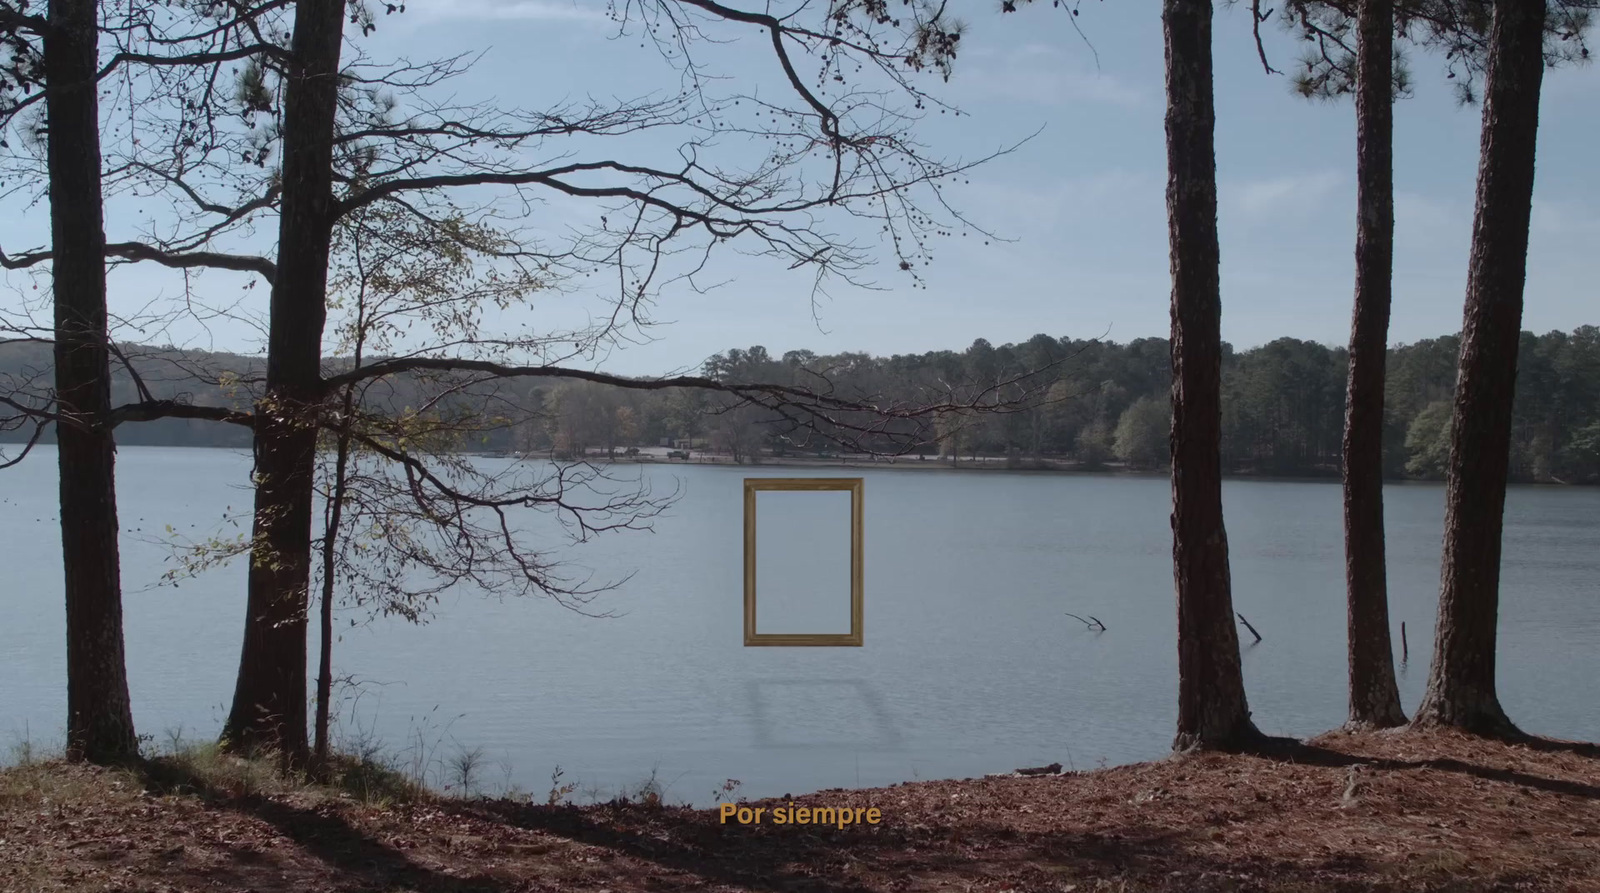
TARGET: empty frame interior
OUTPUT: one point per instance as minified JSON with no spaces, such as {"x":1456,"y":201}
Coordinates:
{"x":803,"y":551}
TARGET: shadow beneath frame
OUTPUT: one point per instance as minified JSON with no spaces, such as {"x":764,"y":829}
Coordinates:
{"x":860,"y":692}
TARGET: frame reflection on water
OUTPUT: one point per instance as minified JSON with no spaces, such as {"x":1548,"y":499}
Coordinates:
{"x":852,"y":578}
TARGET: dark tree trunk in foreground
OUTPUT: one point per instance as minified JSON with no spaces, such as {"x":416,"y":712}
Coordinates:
{"x":99,"y":717}
{"x":1211,"y":703}
{"x":1461,"y":683}
{"x":1374,"y":697}
{"x":269,"y":701}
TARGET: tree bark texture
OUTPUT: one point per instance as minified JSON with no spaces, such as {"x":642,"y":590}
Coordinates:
{"x":1212,"y":711}
{"x":99,"y":716}
{"x":269,"y":702}
{"x":1374,"y":696}
{"x":1461,"y":681}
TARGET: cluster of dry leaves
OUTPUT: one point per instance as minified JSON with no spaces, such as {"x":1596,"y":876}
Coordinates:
{"x":1371,"y":811}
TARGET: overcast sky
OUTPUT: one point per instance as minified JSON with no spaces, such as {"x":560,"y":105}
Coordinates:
{"x":1082,"y":202}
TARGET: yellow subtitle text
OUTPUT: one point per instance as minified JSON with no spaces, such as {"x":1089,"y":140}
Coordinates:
{"x":839,"y":817}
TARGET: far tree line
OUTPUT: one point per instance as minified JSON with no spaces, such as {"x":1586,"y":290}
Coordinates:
{"x":1105,"y":404}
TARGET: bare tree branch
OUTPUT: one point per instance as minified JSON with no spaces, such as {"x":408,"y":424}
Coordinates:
{"x":138,"y":251}
{"x":151,"y":410}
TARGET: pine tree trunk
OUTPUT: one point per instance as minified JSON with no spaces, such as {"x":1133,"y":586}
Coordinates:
{"x":1461,"y":682}
{"x":99,"y":716}
{"x":1374,"y":696}
{"x":269,"y":701}
{"x":1211,"y":701}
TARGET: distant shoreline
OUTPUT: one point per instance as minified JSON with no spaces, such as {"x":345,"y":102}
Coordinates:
{"x":982,"y":463}
{"x":998,"y":464}
{"x":911,"y":463}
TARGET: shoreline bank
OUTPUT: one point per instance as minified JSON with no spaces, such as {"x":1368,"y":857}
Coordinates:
{"x":985,"y":463}
{"x":911,"y":463}
{"x":1344,"y":812}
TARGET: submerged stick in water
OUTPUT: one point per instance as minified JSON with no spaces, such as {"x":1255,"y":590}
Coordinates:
{"x":1097,"y":626}
{"x":1247,"y":626}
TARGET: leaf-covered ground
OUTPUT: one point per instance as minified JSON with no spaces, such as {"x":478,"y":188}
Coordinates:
{"x":1384,"y":811}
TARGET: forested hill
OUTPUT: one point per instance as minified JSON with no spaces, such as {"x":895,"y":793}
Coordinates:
{"x":1283,"y":403}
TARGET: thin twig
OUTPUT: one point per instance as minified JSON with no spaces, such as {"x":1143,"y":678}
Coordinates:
{"x":1257,"y":17}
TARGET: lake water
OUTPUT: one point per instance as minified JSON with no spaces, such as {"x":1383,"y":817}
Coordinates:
{"x":970,"y":664}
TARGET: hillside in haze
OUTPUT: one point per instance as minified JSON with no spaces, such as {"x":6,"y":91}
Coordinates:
{"x":1283,"y":403}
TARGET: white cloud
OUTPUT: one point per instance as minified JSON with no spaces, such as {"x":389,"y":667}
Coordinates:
{"x":1017,"y":209}
{"x":1276,"y":196}
{"x":1562,"y":218}
{"x":1034,"y":49}
{"x":1418,"y":213}
{"x":507,"y":10}
{"x":1044,"y":75}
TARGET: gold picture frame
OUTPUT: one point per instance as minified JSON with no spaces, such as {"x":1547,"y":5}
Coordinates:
{"x":853,"y":638}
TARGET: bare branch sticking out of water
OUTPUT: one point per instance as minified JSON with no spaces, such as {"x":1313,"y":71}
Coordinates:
{"x":1248,"y":626}
{"x":1092,"y":622}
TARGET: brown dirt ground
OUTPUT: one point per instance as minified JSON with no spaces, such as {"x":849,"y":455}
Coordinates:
{"x":1375,"y":811}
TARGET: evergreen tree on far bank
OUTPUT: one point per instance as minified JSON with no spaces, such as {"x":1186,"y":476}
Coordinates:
{"x":1282,"y":403}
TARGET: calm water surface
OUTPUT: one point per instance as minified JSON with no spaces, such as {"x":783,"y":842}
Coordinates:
{"x":970,"y":664}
